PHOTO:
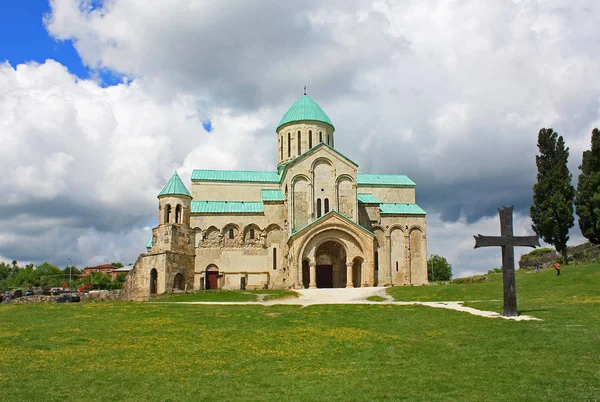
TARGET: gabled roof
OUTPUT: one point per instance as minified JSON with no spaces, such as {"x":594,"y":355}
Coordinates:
{"x":368,"y":199}
{"x":175,"y":187}
{"x":400,"y":209}
{"x":271,"y":195}
{"x":227,"y":207}
{"x":393,"y":180}
{"x":283,"y":167}
{"x":305,"y":109}
{"x":235,"y":176}
{"x":326,"y":216}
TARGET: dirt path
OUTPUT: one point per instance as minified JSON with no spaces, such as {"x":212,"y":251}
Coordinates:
{"x":310,"y":297}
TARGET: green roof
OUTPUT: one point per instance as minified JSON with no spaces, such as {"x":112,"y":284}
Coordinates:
{"x":368,"y":199}
{"x":174,"y":187}
{"x":235,"y":175}
{"x":227,"y":207}
{"x":149,"y":242}
{"x":271,"y":195}
{"x":400,"y":180}
{"x":305,"y":109}
{"x":401,"y":209}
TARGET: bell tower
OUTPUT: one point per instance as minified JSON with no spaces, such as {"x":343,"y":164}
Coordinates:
{"x":304,"y":126}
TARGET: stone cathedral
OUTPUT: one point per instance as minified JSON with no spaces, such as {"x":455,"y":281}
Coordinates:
{"x":316,"y":222}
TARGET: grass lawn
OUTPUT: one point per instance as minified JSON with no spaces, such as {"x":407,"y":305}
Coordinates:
{"x":160,"y":352}
{"x":227,"y":296}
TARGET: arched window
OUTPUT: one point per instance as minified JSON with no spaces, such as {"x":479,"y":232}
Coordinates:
{"x":178,"y":213}
{"x":289,"y":145}
{"x":167,"y":213}
{"x":274,"y":258}
{"x":309,"y":139}
{"x":318,"y":208}
{"x":251,"y":234}
{"x":320,"y":136}
{"x":396,"y":266}
{"x":326,"y":205}
{"x":231,"y":233}
{"x":280,"y":148}
{"x":299,"y":142}
{"x":327,"y":139}
{"x":376,"y":260}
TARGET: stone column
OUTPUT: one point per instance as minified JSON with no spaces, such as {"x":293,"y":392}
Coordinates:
{"x":349,"y":283}
{"x":313,"y":275}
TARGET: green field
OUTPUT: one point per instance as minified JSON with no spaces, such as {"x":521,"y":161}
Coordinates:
{"x":152,"y":351}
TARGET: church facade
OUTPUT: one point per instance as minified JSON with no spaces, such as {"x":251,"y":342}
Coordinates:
{"x":316,"y":222}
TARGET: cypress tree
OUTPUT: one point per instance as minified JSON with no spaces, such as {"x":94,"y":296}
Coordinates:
{"x":587,"y":200}
{"x":552,"y":209}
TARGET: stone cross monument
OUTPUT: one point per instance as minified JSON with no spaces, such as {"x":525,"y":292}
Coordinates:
{"x":507,"y":241}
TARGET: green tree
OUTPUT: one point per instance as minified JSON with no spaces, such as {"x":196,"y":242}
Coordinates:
{"x":587,"y":200}
{"x":552,"y":208}
{"x":438,"y":269}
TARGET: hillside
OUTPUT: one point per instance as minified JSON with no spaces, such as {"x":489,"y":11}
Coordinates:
{"x":546,"y":257}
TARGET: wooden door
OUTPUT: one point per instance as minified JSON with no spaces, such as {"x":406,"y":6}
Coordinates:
{"x":324,"y":276}
{"x":212,"y":280}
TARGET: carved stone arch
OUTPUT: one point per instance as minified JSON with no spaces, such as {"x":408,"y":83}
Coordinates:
{"x":415,"y":227}
{"x":345,"y":195}
{"x":344,"y":176}
{"x":301,"y":210}
{"x":226,"y":228}
{"x":273,"y":235}
{"x":417,"y":268}
{"x":252,"y":233}
{"x":351,"y":243}
{"x":397,"y":254}
{"x":378,"y":227}
{"x":396,"y":226}
{"x":211,"y":237}
{"x":321,"y":159}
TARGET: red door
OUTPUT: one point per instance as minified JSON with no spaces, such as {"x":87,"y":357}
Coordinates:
{"x":212,"y":278}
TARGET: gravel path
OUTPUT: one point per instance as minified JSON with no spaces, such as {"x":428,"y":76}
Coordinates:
{"x":310,"y":297}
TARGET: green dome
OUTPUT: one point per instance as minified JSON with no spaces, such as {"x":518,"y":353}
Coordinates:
{"x":175,"y":187}
{"x":305,"y":109}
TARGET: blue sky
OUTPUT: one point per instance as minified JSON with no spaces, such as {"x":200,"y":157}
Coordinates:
{"x":23,"y":38}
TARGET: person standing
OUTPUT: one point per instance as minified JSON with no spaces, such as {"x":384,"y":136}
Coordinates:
{"x":557,"y":268}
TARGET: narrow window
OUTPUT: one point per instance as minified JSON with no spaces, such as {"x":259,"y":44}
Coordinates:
{"x":167,"y":213}
{"x":289,"y":145}
{"x":327,"y":139}
{"x":299,"y":142}
{"x":326,"y":205}
{"x":280,"y":148}
{"x":376,"y":260}
{"x":178,"y":214}
{"x":251,"y":234}
{"x":318,"y":208}
{"x":231,"y":233}
{"x":320,"y":136}
{"x":309,"y":139}
{"x":396,"y":266}
{"x":274,"y":259}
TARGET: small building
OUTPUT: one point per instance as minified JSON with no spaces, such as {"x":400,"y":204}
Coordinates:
{"x":315,"y":222}
{"x":124,"y":270}
{"x":105,"y":269}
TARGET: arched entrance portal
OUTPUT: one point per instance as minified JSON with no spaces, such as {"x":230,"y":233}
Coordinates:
{"x":179,"y":282}
{"x":153,"y":281}
{"x":331,"y":265}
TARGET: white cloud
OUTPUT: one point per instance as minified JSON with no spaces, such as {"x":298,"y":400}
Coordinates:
{"x":451,"y":93}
